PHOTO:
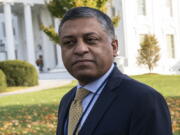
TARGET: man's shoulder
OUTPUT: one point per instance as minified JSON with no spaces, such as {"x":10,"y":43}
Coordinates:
{"x":138,"y":94}
{"x":131,"y":86}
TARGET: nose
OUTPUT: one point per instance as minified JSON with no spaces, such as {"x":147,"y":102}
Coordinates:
{"x":81,"y":48}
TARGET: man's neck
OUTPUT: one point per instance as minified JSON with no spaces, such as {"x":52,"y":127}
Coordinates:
{"x":91,"y":80}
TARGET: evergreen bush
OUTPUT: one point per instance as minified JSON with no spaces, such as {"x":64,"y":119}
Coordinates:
{"x":19,"y":73}
{"x":3,"y":83}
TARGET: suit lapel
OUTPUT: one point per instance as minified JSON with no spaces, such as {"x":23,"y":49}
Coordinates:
{"x":64,"y":112}
{"x":104,"y":101}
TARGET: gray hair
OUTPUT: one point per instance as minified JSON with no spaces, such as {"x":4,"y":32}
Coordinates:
{"x":84,"y":12}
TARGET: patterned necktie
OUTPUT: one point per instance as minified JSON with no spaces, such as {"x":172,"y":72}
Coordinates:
{"x":76,"y":109}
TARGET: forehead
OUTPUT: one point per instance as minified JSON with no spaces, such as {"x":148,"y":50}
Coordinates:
{"x":81,"y":25}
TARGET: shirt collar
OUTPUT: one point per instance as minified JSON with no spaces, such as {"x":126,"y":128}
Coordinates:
{"x":93,"y":86}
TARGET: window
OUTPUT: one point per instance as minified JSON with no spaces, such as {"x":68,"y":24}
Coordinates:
{"x":141,"y":7}
{"x":113,"y":11}
{"x":141,"y":38}
{"x":14,"y":31}
{"x":168,"y":6}
{"x":170,"y":46}
{"x":2,"y":46}
{"x":2,"y":28}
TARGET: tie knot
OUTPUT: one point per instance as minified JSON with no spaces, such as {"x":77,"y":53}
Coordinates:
{"x":81,"y":94}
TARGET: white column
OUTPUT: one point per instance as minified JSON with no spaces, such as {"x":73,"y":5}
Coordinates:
{"x":29,"y":34}
{"x":9,"y":31}
{"x":58,"y":48}
{"x":124,"y":38}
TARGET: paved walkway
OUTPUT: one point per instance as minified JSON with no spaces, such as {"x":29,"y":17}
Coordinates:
{"x":47,"y":80}
{"x":55,"y":75}
{"x":43,"y":85}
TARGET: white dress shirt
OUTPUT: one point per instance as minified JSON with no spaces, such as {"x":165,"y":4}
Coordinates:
{"x":93,"y":87}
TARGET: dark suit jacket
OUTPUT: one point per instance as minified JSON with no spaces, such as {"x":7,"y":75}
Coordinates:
{"x":125,"y":107}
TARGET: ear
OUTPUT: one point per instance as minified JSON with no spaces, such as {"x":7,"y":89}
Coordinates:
{"x":115,"y":47}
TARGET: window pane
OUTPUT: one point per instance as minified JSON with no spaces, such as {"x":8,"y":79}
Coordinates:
{"x":113,"y":10}
{"x":141,"y":7}
{"x":170,"y":46}
{"x":3,"y":28}
{"x":169,"y":7}
{"x":141,"y":38}
{"x":2,"y":46}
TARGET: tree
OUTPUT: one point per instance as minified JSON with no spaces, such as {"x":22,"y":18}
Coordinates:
{"x":148,"y":54}
{"x":58,"y":8}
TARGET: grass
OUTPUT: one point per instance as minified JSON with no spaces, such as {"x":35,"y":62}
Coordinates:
{"x":38,"y":119}
{"x":10,"y":89}
{"x":49,"y":96}
{"x":31,"y":113}
{"x":177,"y":133}
{"x":36,"y":113}
{"x":168,"y":85}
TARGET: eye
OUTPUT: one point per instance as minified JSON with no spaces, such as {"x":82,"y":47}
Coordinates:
{"x":68,"y":42}
{"x":91,"y":40}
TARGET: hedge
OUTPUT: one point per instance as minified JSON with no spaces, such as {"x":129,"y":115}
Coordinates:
{"x":19,"y":73}
{"x":3,"y":83}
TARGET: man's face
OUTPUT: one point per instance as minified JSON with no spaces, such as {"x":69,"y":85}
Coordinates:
{"x":87,"y":50}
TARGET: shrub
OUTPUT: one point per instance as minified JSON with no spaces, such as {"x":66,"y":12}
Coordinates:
{"x":19,"y":73}
{"x":148,"y":54}
{"x":3,"y":83}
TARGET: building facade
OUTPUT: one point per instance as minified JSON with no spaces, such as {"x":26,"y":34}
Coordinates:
{"x":140,"y":17}
{"x":21,"y":37}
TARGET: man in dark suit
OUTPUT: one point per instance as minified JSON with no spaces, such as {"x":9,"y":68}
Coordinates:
{"x":105,"y":101}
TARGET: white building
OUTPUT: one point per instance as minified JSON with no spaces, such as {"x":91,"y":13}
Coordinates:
{"x":22,"y":38}
{"x":159,"y":17}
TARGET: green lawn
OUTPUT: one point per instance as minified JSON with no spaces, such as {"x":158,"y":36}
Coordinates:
{"x":31,"y":113}
{"x":168,"y":85}
{"x":36,"y":113}
{"x":10,"y":89}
